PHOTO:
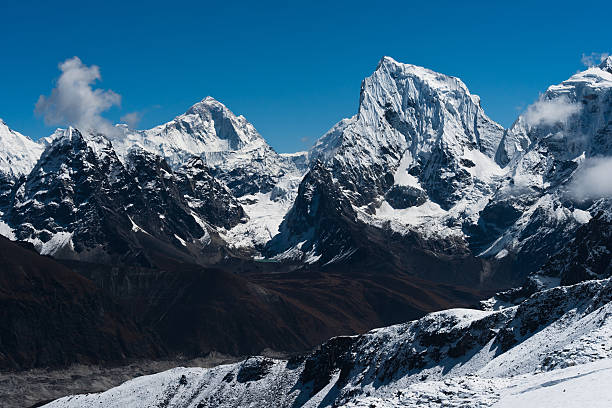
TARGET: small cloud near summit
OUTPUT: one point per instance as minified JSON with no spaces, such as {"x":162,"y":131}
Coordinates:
{"x":132,"y":119}
{"x":74,"y":101}
{"x":593,"y":59}
{"x":593,"y":179}
{"x":548,"y":112}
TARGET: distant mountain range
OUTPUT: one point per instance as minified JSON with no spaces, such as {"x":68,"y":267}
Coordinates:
{"x":420,"y":202}
{"x":420,"y":164}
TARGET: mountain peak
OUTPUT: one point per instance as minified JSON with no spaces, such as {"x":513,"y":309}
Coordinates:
{"x":606,"y":64}
{"x":387,"y":60}
{"x":18,"y":153}
{"x":208,"y":104}
{"x":210,"y":99}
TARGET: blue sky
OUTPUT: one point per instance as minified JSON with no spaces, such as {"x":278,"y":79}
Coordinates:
{"x":293,"y":69}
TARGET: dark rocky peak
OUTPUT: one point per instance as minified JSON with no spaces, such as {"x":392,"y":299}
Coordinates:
{"x":606,"y":64}
{"x":207,"y":196}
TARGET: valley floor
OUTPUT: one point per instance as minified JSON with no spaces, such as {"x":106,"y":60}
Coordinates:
{"x":29,"y":388}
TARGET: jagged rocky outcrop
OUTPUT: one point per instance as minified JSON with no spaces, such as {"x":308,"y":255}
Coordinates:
{"x":588,"y":255}
{"x":585,"y":256}
{"x":82,"y":202}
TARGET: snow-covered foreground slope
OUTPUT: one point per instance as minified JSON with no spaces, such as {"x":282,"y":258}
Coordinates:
{"x":557,"y":339}
{"x":584,"y":385}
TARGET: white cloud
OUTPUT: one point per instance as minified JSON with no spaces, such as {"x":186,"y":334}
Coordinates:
{"x":593,"y":179}
{"x":74,"y":102}
{"x":549,"y":112}
{"x":132,"y":119}
{"x":593,"y":59}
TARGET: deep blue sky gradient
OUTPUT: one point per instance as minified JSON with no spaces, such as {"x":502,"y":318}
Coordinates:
{"x":291,"y":68}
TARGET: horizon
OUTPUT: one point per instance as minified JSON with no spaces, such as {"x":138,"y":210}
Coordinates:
{"x":291,"y":71}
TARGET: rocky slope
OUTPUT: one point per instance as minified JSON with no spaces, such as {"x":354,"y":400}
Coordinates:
{"x":53,"y":316}
{"x":448,"y":358}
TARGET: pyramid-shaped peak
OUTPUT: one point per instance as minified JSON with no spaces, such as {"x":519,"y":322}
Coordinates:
{"x":606,"y":64}
{"x":208,"y":104}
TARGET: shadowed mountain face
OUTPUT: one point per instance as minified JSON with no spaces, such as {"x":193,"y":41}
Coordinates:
{"x":55,"y":314}
{"x":51,"y":316}
{"x":196,"y":310}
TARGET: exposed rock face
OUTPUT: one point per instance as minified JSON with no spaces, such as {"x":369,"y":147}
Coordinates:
{"x":420,"y":142}
{"x":81,"y":202}
{"x":206,"y":196}
{"x":52,"y":316}
{"x":401,"y":197}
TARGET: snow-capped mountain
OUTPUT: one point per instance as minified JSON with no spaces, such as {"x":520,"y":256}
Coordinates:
{"x":453,"y":358}
{"x":237,"y":155}
{"x":421,"y":157}
{"x":18,"y":153}
{"x":81,"y":201}
{"x":420,"y":165}
{"x":538,"y":206}
{"x":418,"y":156}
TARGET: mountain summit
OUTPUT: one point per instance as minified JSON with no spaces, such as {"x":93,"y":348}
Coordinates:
{"x":419,"y":156}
